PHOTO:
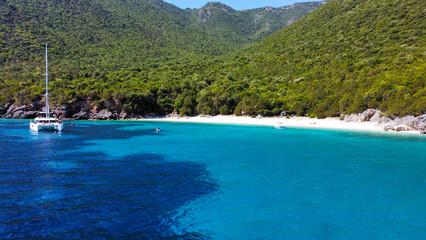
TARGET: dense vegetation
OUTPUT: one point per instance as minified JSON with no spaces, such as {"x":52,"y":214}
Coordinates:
{"x":342,"y":58}
{"x":240,"y":27}
{"x":345,"y":57}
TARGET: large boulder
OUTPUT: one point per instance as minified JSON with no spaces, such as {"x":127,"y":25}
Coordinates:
{"x":17,"y":114}
{"x":5,"y":108}
{"x":59,"y":112}
{"x":9,"y":112}
{"x":28,"y":114}
{"x":81,"y":115}
{"x":21,"y":108}
{"x":409,"y":123}
{"x":352,"y":118}
{"x":123,"y":115}
{"x":367,"y":115}
{"x":371,"y":115}
{"x":375,"y":117}
{"x":104,"y":114}
{"x":419,"y":123}
{"x":401,"y":127}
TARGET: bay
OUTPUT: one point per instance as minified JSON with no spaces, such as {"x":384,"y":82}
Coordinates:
{"x":123,"y":180}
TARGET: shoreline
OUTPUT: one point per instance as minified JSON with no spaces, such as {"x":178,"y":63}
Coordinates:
{"x":293,"y":122}
{"x":330,"y":123}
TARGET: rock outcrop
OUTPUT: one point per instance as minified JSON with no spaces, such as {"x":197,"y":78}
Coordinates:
{"x":103,"y":115}
{"x":408,"y":123}
{"x":75,"y":110}
{"x":21,"y":112}
{"x":371,"y":115}
{"x":81,"y":115}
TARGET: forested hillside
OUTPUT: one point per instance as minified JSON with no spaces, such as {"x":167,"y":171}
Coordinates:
{"x":248,"y":26}
{"x":344,"y":57}
{"x":100,"y":33}
{"x":151,"y":57}
{"x":98,"y":48}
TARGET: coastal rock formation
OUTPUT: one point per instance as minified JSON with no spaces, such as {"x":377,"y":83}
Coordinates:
{"x":368,"y":114}
{"x":104,"y":114}
{"x":376,"y":116}
{"x":3,"y":109}
{"x":76,"y":110}
{"x":408,"y":123}
{"x":81,"y":115}
{"x":123,"y":115}
{"x":84,"y":109}
{"x":371,"y":115}
{"x":20,"y":112}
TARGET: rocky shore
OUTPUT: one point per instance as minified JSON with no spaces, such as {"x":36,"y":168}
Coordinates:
{"x":408,"y":123}
{"x":76,"y":110}
{"x":112,"y":110}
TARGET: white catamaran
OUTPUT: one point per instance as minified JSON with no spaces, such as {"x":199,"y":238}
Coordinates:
{"x":44,"y":121}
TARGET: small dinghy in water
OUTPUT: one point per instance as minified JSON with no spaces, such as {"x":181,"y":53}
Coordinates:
{"x":279,"y":125}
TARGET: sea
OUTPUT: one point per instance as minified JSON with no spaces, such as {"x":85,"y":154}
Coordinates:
{"x":125,"y":180}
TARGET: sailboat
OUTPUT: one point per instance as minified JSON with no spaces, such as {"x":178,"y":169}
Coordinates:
{"x":44,"y":121}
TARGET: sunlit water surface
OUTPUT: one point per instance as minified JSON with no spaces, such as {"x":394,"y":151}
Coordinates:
{"x":123,"y":180}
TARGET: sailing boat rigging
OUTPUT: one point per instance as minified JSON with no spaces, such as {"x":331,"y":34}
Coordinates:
{"x":44,"y":121}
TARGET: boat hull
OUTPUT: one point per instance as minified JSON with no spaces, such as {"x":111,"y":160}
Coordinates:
{"x":279,"y":125}
{"x":52,"y":127}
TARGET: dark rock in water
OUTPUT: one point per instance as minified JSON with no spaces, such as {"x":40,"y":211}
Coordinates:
{"x":81,"y":115}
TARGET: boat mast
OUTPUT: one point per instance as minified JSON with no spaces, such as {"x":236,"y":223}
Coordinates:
{"x":47,"y":89}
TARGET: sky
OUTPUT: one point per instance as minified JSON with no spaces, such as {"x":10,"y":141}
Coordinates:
{"x":236,"y":4}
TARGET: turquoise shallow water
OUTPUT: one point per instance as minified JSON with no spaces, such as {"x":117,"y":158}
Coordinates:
{"x":203,"y":181}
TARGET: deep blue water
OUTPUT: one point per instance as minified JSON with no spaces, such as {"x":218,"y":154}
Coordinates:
{"x":122,"y":180}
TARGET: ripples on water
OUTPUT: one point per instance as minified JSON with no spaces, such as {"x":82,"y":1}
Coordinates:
{"x":85,"y":195}
{"x":122,"y":180}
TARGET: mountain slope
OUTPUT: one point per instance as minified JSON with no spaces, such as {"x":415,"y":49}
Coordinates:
{"x":344,"y":57}
{"x":269,"y":20}
{"x":248,"y":26}
{"x":107,"y":32}
{"x":100,"y":47}
{"x":103,"y":31}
